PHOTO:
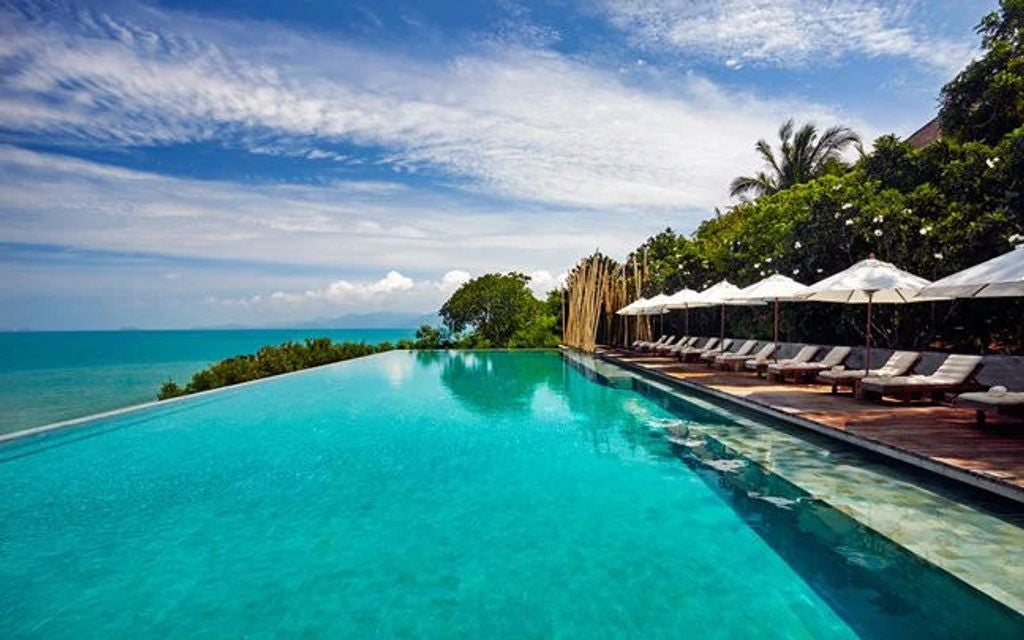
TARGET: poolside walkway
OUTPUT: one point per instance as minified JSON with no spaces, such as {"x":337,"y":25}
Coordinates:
{"x":939,"y":438}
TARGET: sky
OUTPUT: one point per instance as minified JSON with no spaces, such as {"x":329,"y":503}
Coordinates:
{"x":171,"y":165}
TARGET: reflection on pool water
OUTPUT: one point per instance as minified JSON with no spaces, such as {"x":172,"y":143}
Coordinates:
{"x":441,"y":494}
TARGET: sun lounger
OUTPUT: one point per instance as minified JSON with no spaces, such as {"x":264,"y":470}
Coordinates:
{"x":664,"y":348}
{"x":654,"y":347}
{"x":996,"y":400}
{"x":641,"y":345}
{"x":711,"y":354}
{"x":673,"y":352}
{"x":743,"y":352}
{"x":637,"y":343}
{"x":736,"y":361}
{"x":955,"y":375}
{"x":803,"y":356}
{"x":692,"y":353}
{"x":898,"y":364}
{"x":804,"y":370}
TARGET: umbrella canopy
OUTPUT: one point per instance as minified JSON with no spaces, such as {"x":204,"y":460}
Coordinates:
{"x":773,"y":288}
{"x":868,"y":282}
{"x":1000,"y":277}
{"x":685,"y":299}
{"x":654,"y":305}
{"x":723,"y":294}
{"x":633,"y":308}
{"x":719,"y":293}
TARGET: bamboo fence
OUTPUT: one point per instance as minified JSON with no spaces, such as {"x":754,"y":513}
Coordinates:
{"x":596,"y":288}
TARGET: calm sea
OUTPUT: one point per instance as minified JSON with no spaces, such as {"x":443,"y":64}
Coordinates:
{"x":50,"y":376}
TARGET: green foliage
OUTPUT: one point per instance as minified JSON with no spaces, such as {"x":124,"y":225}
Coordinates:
{"x":428,"y":337}
{"x":985,"y":101}
{"x":497,"y":310}
{"x":539,"y":332}
{"x":271,"y":361}
{"x":931,"y":211}
{"x":803,"y":155}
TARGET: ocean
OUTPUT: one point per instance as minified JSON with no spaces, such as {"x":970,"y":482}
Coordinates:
{"x":51,"y":376}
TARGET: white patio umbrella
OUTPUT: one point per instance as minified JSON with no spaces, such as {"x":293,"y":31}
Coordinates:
{"x":772,"y":289}
{"x":1000,"y":277}
{"x":723,"y":294}
{"x":633,"y":308}
{"x":685,"y":299}
{"x":868,"y":282}
{"x":655,"y":305}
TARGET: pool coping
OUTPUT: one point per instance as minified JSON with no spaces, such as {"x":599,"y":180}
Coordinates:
{"x":955,"y":474}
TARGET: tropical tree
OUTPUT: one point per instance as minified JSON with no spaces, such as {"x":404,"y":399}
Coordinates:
{"x":495,"y":308}
{"x":803,"y":156}
{"x":986,"y":100}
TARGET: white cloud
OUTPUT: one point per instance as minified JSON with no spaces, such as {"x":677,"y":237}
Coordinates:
{"x":453,"y":279}
{"x":342,"y":225}
{"x":541,"y":281}
{"x":522,"y":123}
{"x":340,"y":291}
{"x":789,"y":32}
{"x":391,"y":291}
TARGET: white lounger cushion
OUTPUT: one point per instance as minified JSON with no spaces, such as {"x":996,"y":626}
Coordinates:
{"x":762,"y":355}
{"x":834,"y":357}
{"x":802,"y":357}
{"x":1005,"y":399}
{"x":898,"y":364}
{"x":711,"y":353}
{"x":956,"y":369}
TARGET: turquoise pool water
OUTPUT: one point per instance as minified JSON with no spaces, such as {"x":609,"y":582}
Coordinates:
{"x":51,"y":376}
{"x":437,"y":495}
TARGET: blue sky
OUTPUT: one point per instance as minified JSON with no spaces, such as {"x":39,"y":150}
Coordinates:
{"x":172,"y":165}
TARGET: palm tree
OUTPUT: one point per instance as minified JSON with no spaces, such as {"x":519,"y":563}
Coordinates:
{"x":803,"y":156}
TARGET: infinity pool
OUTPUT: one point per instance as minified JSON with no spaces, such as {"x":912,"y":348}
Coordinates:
{"x":437,"y":495}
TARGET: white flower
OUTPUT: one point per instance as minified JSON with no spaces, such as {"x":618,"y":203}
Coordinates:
{"x":992,"y":162}
{"x":908,"y":211}
{"x":836,"y":215}
{"x":878,"y":233}
{"x":847,"y":205}
{"x":849,"y":222}
{"x":818,"y":270}
{"x":938,"y":256}
{"x":768,"y":260}
{"x":878,"y":219}
{"x":796,"y":271}
{"x":797,"y":245}
{"x":836,"y":187}
{"x":1015,"y":238}
{"x":762,"y":272}
{"x":757,"y":265}
{"x":925,"y":231}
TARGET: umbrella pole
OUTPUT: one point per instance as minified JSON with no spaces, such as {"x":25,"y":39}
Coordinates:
{"x":867,"y":355}
{"x":721,"y":328}
{"x":687,"y":321}
{"x":775,"y":353}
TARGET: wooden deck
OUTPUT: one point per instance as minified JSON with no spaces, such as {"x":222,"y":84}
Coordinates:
{"x":936,"y":437}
